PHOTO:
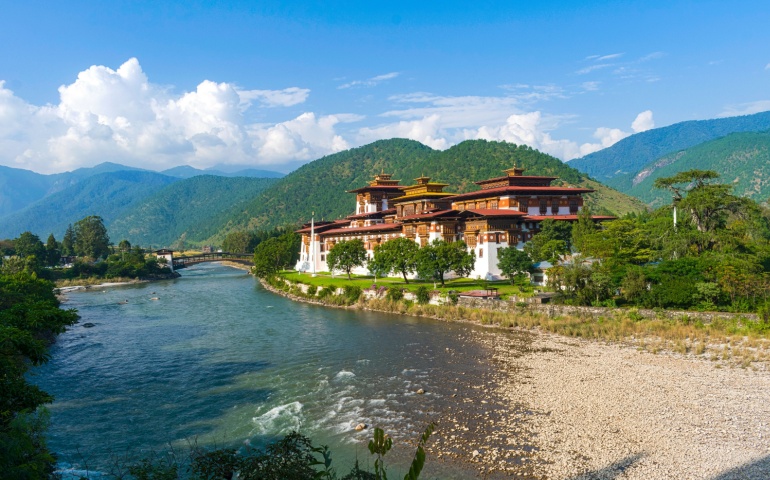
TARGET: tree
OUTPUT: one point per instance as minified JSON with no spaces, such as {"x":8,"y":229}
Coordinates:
{"x":68,"y":242}
{"x":397,"y":255}
{"x":513,"y":262}
{"x":275,"y":253}
{"x":52,"y":251}
{"x":583,"y":229}
{"x":438,"y":258}
{"x":346,"y":255}
{"x":553,"y":240}
{"x":239,"y":242}
{"x":91,"y":239}
{"x":29,"y":245}
{"x":124,"y":246}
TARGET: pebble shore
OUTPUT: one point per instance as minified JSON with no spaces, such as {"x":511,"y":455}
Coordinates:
{"x":576,"y":409}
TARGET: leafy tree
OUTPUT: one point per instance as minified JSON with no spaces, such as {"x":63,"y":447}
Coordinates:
{"x":346,"y":255}
{"x":583,"y":229}
{"x":68,"y":242}
{"x":513,"y":262}
{"x":397,"y":255}
{"x":91,"y":239}
{"x":124,"y":246}
{"x":29,"y":245}
{"x":275,"y":253}
{"x":240,"y":242}
{"x":552,"y":241}
{"x":52,"y":251}
{"x":438,"y":258}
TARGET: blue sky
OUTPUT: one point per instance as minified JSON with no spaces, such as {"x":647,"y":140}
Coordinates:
{"x":274,"y":85}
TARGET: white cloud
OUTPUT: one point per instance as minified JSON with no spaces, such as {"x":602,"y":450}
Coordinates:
{"x":428,"y":130}
{"x":275,"y":98}
{"x":119,"y":115}
{"x":371,"y":82}
{"x":767,"y":67}
{"x":745,"y":108}
{"x":592,"y":68}
{"x":610,"y":136}
{"x":643,"y":122}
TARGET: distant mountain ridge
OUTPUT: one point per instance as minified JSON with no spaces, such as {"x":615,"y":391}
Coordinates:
{"x":616,"y":166}
{"x":741,"y":159}
{"x":21,"y":188}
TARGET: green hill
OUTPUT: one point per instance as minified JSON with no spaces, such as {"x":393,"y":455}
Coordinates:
{"x":106,"y":194}
{"x":190,"y":209}
{"x":742,"y":159}
{"x":320,"y":186}
{"x":616,"y":166}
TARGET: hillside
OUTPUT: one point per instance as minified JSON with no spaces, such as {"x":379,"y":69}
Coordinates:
{"x":106,"y":194}
{"x":320,"y":185}
{"x":616,"y":166}
{"x":742,"y":159}
{"x":186,"y":171}
{"x":191,"y":208}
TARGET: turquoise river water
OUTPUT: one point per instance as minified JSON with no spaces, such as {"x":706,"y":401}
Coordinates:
{"x":214,"y":358}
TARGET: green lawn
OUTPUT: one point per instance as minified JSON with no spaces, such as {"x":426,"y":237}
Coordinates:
{"x":324,"y":279}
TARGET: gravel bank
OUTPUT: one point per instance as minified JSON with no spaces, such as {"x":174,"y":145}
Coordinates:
{"x":609,"y":411}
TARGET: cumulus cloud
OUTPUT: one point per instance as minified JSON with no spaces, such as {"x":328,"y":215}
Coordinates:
{"x":120,"y":116}
{"x":371,"y":82}
{"x":609,"y":136}
{"x":643,"y":122}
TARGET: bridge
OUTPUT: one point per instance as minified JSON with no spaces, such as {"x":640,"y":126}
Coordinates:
{"x":242,"y":258}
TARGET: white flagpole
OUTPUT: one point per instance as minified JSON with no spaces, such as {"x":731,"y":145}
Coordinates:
{"x":312,"y":241}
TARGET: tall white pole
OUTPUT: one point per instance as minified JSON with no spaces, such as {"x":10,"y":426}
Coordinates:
{"x":312,"y":241}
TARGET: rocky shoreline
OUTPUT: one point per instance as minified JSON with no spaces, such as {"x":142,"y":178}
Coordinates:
{"x":562,"y":408}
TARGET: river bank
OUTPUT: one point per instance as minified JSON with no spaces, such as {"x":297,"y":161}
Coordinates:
{"x":590,"y":409}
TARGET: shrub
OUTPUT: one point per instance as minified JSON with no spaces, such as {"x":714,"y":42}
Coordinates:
{"x":352,"y":293}
{"x":327,"y":291}
{"x":395,"y":294}
{"x":423,"y":295}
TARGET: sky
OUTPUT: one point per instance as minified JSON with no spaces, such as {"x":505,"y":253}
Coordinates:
{"x":274,"y":85}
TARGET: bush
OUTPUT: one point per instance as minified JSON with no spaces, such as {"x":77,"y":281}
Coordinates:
{"x":327,"y":291}
{"x":352,"y":293}
{"x":395,"y":294}
{"x":423,"y":295}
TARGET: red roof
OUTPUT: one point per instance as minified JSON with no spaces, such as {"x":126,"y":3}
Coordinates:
{"x":519,"y":190}
{"x":568,"y":217}
{"x":524,"y":177}
{"x":380,"y":227}
{"x":496,"y":212}
{"x":381,"y":213}
{"x":323,"y":226}
{"x":376,"y":187}
{"x":431,"y":214}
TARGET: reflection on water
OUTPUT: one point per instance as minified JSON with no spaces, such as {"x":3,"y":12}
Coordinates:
{"x":219,"y":359}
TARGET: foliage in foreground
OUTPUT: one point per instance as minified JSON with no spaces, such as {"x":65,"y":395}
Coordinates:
{"x":29,"y":317}
{"x":294,"y":457}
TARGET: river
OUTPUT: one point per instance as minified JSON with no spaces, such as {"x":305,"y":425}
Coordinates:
{"x":213,"y":358}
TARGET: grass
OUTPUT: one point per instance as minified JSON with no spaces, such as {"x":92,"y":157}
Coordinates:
{"x":324,"y":279}
{"x":737,"y":342}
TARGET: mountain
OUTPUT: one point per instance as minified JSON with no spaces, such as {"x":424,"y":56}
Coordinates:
{"x":186,"y":171}
{"x":320,"y":186}
{"x":616,"y":166}
{"x":742,"y":160}
{"x":104,"y":194}
{"x":190,"y":209}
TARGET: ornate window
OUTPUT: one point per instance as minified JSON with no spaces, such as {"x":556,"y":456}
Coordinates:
{"x":543,"y":207}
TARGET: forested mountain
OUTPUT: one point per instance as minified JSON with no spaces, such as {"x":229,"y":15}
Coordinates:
{"x":20,"y":188}
{"x":742,"y":160}
{"x":106,"y":194}
{"x":320,"y":185}
{"x":617,"y":165}
{"x":191,"y":210}
{"x":186,"y":171}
